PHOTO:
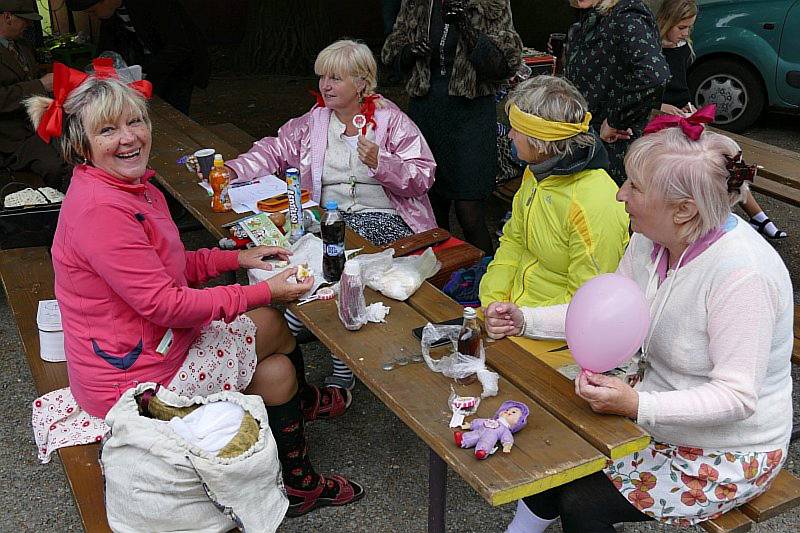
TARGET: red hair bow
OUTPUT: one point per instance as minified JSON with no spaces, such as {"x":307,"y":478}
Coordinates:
{"x":367,"y":108}
{"x":692,"y":125}
{"x":65,"y":80}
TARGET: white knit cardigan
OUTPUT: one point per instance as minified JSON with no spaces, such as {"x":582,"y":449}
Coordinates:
{"x":720,"y":370}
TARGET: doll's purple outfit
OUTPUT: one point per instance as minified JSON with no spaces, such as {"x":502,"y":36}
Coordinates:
{"x":485,"y":432}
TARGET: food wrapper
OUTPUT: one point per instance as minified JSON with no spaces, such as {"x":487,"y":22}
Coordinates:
{"x":457,"y":365}
{"x":397,"y":277}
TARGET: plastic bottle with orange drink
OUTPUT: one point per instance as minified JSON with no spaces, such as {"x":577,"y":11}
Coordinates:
{"x":219,"y":179}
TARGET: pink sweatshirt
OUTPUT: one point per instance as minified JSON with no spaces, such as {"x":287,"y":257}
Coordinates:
{"x":405,"y":164}
{"x":123,"y":278}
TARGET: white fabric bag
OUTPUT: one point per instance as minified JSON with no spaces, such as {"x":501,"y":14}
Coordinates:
{"x":157,"y":481}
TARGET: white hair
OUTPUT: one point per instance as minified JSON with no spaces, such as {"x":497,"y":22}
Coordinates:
{"x":669,"y":165}
{"x":554,"y":99}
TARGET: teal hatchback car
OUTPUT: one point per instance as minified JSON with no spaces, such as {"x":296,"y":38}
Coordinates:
{"x":747,"y":58}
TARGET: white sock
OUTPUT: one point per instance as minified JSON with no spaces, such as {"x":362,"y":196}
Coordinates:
{"x":527,"y":522}
{"x":770,"y":229}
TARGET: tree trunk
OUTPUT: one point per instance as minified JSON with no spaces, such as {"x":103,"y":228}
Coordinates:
{"x":284,"y":37}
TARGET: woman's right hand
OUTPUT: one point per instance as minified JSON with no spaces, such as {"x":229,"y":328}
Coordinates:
{"x":503,"y":319}
{"x":233,"y":175}
{"x":610,"y":134}
{"x":672,"y":110}
{"x":285,"y":291}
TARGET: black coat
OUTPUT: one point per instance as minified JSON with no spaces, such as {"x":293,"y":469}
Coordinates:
{"x":615,"y":60}
{"x":177,"y":47}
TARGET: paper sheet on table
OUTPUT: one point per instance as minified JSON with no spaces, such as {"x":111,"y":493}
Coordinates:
{"x":244,"y":198}
{"x":242,"y":208}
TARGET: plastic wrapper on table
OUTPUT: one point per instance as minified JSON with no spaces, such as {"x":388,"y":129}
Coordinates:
{"x":457,"y":365}
{"x":397,"y":277}
{"x":350,"y":300}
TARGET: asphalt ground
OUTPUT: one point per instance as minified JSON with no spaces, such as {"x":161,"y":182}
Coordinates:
{"x":369,"y":443}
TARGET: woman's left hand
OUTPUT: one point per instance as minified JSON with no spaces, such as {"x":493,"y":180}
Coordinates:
{"x":607,"y":394}
{"x":256,"y":257}
{"x":368,"y":152}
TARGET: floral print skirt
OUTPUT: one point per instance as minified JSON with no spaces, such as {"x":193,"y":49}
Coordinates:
{"x":222,"y":358}
{"x":682,"y":486}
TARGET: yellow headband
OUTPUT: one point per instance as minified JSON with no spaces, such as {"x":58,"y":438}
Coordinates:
{"x":545,"y":130}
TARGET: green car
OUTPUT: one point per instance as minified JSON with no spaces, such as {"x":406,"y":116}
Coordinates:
{"x":747,"y":58}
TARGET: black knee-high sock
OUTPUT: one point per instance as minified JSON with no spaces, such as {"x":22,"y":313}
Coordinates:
{"x":307,"y":394}
{"x":286,"y":423}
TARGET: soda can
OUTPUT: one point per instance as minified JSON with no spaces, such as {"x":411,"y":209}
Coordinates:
{"x":295,"y":204}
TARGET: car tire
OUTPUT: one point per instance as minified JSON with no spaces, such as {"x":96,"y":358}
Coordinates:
{"x":734,"y":86}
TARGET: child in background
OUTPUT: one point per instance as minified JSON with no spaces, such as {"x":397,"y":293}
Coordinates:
{"x":676,"y":19}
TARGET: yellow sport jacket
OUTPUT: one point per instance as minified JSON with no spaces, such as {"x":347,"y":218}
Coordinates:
{"x":563,"y":231}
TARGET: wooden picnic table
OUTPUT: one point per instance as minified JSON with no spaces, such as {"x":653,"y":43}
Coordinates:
{"x":564,"y":439}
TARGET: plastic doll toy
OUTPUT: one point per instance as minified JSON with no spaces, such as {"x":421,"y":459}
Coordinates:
{"x":484,"y":433}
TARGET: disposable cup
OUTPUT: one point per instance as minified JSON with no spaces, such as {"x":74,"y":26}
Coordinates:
{"x":205,"y":161}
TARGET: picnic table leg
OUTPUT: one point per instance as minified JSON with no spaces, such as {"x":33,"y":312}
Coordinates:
{"x":437,"y":493}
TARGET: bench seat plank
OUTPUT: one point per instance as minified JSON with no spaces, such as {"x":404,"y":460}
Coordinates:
{"x":614,"y":436}
{"x":734,"y":521}
{"x":546,"y":453}
{"x":27,"y":275}
{"x":783,"y":494}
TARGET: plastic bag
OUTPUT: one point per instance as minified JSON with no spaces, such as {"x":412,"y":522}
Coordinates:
{"x":308,"y":250}
{"x":397,"y":277}
{"x":457,"y":365}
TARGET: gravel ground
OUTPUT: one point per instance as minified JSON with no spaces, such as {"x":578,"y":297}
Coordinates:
{"x":384,"y":454}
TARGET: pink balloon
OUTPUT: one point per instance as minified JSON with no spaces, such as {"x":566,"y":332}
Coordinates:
{"x":607,"y":321}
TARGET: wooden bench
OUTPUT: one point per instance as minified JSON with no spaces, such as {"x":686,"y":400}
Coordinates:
{"x":538,"y":380}
{"x":779,"y":177}
{"x":27,"y":276}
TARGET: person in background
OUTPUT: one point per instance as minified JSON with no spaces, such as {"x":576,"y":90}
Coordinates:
{"x":130,"y":295}
{"x":676,"y":19}
{"x":20,"y":78}
{"x":379,"y":179}
{"x":456,"y":54}
{"x":613,"y":57}
{"x":713,"y":382}
{"x":160,"y":36}
{"x":566,"y":225}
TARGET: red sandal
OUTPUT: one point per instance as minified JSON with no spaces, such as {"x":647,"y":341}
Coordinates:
{"x":329,"y":402}
{"x":349,"y":492}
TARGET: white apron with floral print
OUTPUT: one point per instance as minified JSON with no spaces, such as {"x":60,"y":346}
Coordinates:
{"x":682,"y":486}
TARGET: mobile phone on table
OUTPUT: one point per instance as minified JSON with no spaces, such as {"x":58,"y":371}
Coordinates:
{"x":444,"y":340}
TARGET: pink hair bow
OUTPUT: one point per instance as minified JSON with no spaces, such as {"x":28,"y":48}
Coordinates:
{"x":692,"y":125}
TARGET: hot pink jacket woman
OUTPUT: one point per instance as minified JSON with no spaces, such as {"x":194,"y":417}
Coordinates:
{"x":405,"y":163}
{"x":123,"y":278}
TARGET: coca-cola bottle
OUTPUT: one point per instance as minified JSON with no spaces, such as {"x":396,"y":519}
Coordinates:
{"x":332,"y":229}
{"x":469,"y":340}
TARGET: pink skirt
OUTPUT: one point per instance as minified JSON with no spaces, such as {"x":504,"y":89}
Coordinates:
{"x":222,"y":358}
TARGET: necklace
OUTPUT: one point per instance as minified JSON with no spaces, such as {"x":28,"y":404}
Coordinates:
{"x":652,"y":289}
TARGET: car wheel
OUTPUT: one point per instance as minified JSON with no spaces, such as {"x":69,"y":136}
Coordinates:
{"x":734,"y":87}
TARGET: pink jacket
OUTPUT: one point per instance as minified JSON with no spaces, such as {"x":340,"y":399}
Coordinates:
{"x":405,"y":163}
{"x":123,"y":278}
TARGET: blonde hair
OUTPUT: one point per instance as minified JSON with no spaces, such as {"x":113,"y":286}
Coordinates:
{"x":671,"y":12}
{"x":351,"y":58}
{"x":95,"y":102}
{"x":669,"y":165}
{"x":602,"y":7}
{"x":554,"y":99}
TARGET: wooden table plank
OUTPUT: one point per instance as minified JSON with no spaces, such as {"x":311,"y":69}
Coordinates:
{"x":546,"y":453}
{"x":31,"y":272}
{"x":615,"y":436}
{"x":734,"y":521}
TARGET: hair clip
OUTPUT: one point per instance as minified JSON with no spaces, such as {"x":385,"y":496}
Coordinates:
{"x":739,"y":172}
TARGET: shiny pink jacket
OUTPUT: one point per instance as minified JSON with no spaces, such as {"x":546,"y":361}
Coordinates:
{"x":405,"y":163}
{"x":123,"y":278}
